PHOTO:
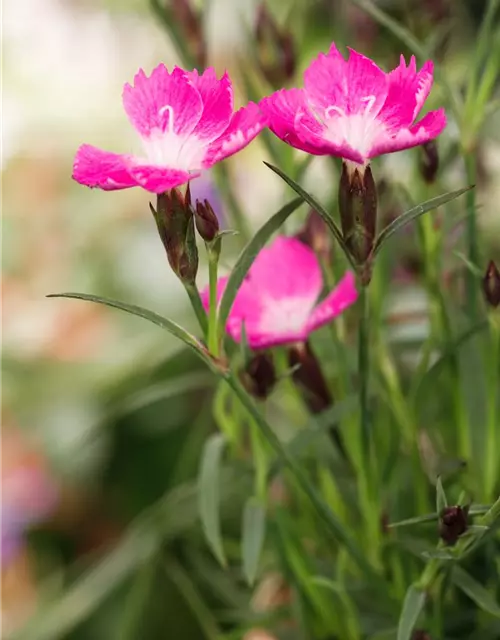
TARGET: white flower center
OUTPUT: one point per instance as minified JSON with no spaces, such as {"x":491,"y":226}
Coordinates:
{"x":169,"y":149}
{"x":287,"y":315}
{"x":357,"y":129}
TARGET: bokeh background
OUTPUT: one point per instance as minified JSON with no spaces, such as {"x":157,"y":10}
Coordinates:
{"x":103,"y":415}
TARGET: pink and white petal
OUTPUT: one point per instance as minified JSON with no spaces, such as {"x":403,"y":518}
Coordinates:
{"x":401,"y":102}
{"x":325,"y":80}
{"x":343,"y":296}
{"x":158,"y":179}
{"x":367,"y":85}
{"x":217,"y":98}
{"x":426,"y":129}
{"x":325,"y":140}
{"x":245,"y":124}
{"x":425,"y":78}
{"x":95,"y":167}
{"x":162,"y":102}
{"x":281,"y":109}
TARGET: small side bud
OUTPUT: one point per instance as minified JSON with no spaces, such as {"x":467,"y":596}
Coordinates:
{"x":429,"y":161}
{"x":175,"y":221}
{"x":315,"y":234}
{"x":491,"y":285}
{"x":207,"y":223}
{"x":453,"y":523}
{"x":275,"y":49}
{"x":259,"y":375}
{"x":358,"y":210}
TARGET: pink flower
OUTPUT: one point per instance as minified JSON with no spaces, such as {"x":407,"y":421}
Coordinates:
{"x":353,"y":109}
{"x":186,"y":124}
{"x":277,"y":301}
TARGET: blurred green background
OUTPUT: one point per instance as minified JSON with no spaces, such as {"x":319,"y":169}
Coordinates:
{"x":111,"y":413}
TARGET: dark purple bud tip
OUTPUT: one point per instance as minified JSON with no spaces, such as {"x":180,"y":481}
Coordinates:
{"x":429,"y":161}
{"x":453,"y":523}
{"x":259,"y":375}
{"x":207,"y":223}
{"x":491,"y":285}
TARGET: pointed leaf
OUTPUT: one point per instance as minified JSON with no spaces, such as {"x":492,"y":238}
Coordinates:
{"x":311,"y":200}
{"x":413,"y":214}
{"x":412,"y":606}
{"x":254,"y":529}
{"x":441,"y":501}
{"x":140,"y":312}
{"x":475,"y":591}
{"x":246,"y":259}
{"x":209,"y":494}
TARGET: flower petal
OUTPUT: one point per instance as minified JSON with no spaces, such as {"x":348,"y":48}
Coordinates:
{"x":354,"y":86}
{"x":407,"y":93}
{"x":95,"y":167}
{"x":158,"y":179}
{"x":162,"y":102}
{"x":343,"y":296}
{"x":426,"y":129}
{"x":217,"y":98}
{"x":281,"y":109}
{"x":245,"y":124}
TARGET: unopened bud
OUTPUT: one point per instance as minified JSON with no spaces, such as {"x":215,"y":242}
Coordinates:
{"x":175,"y":221}
{"x":453,"y":523}
{"x":315,"y":234}
{"x":206,"y":221}
{"x":491,"y":285}
{"x":275,"y":49}
{"x":188,"y":18}
{"x":259,"y":375}
{"x":420,"y":634}
{"x":429,"y":161}
{"x":358,"y":210}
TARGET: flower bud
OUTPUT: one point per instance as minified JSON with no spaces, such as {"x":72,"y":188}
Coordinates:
{"x":275,"y":49}
{"x":420,"y":634}
{"x":358,"y":210}
{"x":259,"y":375}
{"x":429,"y":161}
{"x":175,"y":221}
{"x":491,"y":285}
{"x":453,"y":523}
{"x":315,"y":234}
{"x":206,"y":221}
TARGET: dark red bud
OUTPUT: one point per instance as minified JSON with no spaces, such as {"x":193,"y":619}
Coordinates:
{"x":420,"y":634}
{"x":259,"y":375}
{"x":358,"y":210}
{"x":491,"y":285}
{"x":206,"y":221}
{"x":315,"y":234}
{"x":429,"y":161}
{"x":453,"y":523}
{"x":189,"y":20}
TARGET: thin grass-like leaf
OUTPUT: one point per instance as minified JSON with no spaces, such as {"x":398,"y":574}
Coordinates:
{"x":209,"y":494}
{"x":414,"y":213}
{"x":246,"y":259}
{"x":475,"y":591}
{"x":441,"y":501}
{"x":412,"y":606}
{"x":253,"y":535}
{"x":311,"y":200}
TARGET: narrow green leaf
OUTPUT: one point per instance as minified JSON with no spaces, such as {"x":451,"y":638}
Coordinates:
{"x":140,"y":312}
{"x":414,"y":213}
{"x":209,"y":494}
{"x":246,"y":259}
{"x":439,"y":554}
{"x":475,"y":591}
{"x":336,"y":587}
{"x":412,"y":606}
{"x":441,"y":501}
{"x":475,"y":510}
{"x":311,"y":200}
{"x":254,"y":529}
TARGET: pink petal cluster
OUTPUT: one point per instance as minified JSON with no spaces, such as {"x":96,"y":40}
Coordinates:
{"x":354,"y":110}
{"x":186,"y":124}
{"x":277,"y":301}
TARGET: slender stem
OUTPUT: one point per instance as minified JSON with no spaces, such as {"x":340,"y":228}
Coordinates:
{"x":213,"y":261}
{"x":196,"y":303}
{"x":363,"y":372}
{"x":491,"y":466}
{"x":472,"y":240}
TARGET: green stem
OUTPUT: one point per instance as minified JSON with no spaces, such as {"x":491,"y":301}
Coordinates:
{"x":363,"y":372}
{"x":341,"y":533}
{"x":472,"y":240}
{"x":213,"y":262}
{"x":491,"y":466}
{"x":196,"y":303}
